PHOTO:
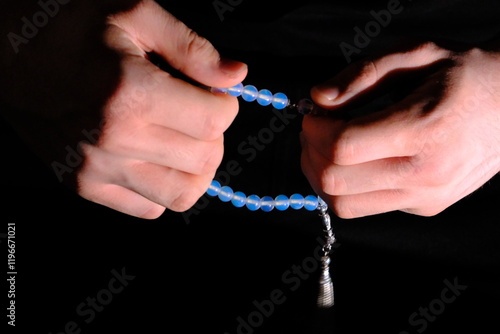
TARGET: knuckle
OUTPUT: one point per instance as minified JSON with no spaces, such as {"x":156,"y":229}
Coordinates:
{"x":367,"y":73}
{"x":430,"y":49}
{"x":426,"y":46}
{"x":342,"y":149}
{"x":212,"y":127}
{"x":332,"y":184}
{"x":128,"y":100}
{"x":194,"y":42}
{"x":425,"y":212}
{"x":193,"y":46}
{"x":152,"y":211}
{"x":116,"y":137}
{"x":87,"y":148}
{"x":185,"y":199}
{"x":213,"y":158}
{"x":214,"y":123}
{"x":132,"y":96}
{"x":437,"y":174}
{"x":210,"y":158}
{"x":402,"y":168}
{"x":342,"y":208}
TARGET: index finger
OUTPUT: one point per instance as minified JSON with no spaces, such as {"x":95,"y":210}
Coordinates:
{"x":380,"y":135}
{"x":360,"y":76}
{"x":178,"y":105}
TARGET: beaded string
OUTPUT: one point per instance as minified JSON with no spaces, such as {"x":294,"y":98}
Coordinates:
{"x":280,"y":101}
{"x":266,"y":203}
{"x":264,"y":97}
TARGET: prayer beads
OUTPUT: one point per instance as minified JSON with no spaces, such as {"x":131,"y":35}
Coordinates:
{"x":264,"y":97}
{"x":250,"y":93}
{"x":266,"y":203}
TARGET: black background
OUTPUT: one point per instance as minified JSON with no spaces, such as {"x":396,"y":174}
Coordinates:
{"x":202,"y":276}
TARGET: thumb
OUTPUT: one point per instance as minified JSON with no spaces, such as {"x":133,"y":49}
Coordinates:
{"x":362,"y":75}
{"x":155,"y":30}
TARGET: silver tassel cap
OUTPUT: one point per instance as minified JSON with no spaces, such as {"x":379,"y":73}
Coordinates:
{"x":326,"y":297}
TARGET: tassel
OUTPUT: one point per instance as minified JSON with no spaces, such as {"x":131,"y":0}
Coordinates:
{"x":326,"y":297}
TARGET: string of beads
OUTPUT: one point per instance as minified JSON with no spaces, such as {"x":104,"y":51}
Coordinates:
{"x":266,"y":203}
{"x":279,"y":101}
{"x":264,"y":97}
{"x":250,"y":93}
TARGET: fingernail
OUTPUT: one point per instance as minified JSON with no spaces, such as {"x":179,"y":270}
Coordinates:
{"x":231,"y":68}
{"x":328,"y":92}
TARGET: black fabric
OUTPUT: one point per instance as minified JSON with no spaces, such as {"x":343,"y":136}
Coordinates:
{"x":211,"y":269}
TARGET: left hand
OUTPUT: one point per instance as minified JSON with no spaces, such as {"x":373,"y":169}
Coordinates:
{"x":421,"y":155}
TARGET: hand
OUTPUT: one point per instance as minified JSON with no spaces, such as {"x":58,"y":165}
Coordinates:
{"x":420,"y":155}
{"x":158,"y":140}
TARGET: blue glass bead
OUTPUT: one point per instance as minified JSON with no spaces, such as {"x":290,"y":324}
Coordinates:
{"x":253,"y":202}
{"x":297,"y":201}
{"x":311,"y":203}
{"x":214,"y":188}
{"x":281,"y":202}
{"x":249,"y":93}
{"x":265,"y":97}
{"x":226,"y":194}
{"x":267,"y":204}
{"x":236,"y":90}
{"x":280,"y":101}
{"x":239,"y":199}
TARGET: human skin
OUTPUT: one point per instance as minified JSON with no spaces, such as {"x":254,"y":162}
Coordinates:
{"x":164,"y":153}
{"x":160,"y":138}
{"x":420,"y":155}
